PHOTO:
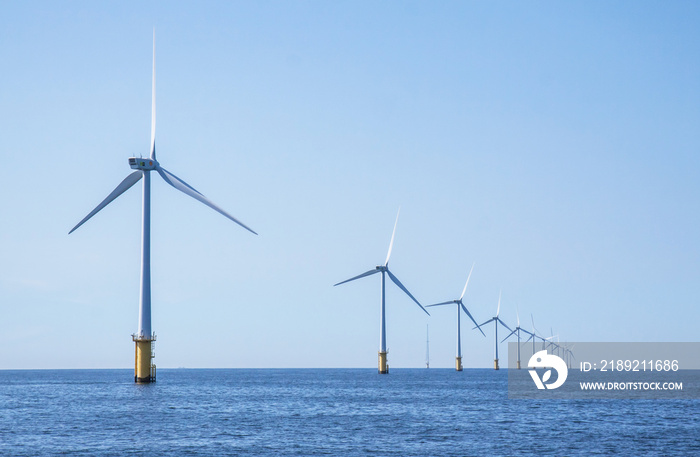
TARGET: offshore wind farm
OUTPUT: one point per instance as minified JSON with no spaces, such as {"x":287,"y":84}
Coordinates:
{"x":552,"y":148}
{"x":145,"y":337}
{"x":558,"y":213}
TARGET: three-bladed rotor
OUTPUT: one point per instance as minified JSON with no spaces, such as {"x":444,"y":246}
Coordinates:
{"x":460,"y":303}
{"x":385,"y":269}
{"x":518,"y":328}
{"x":496,"y":318}
{"x":142,"y":169}
{"x":146,"y":165}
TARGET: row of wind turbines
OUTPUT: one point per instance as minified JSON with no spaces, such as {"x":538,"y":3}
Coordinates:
{"x":144,"y":338}
{"x":547,"y":342}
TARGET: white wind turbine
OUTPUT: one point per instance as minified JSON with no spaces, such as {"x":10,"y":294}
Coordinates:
{"x":384,"y":269}
{"x":517,"y":331}
{"x":496,"y":320}
{"x":534,"y":336}
{"x":144,"y":371}
{"x":460,"y":308}
{"x":551,"y":341}
{"x":569,"y":354}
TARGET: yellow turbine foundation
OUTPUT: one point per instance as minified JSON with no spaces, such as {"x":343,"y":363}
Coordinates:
{"x":458,"y":364}
{"x":383,"y":366}
{"x":495,"y":364}
{"x":518,"y":364}
{"x":144,"y":369}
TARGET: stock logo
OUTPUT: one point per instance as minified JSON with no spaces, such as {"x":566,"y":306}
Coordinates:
{"x":543,"y":360}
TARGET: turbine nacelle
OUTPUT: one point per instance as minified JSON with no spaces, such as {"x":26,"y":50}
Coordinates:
{"x":138,"y":163}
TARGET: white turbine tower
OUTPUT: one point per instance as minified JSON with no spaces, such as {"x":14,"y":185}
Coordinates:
{"x":384,"y":269}
{"x":496,"y":320}
{"x":144,"y":369}
{"x":460,"y":308}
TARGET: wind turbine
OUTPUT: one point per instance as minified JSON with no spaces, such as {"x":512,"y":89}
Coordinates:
{"x":569,"y":354}
{"x":427,"y":346}
{"x":144,"y":369}
{"x":384,"y":269}
{"x":517,"y":331}
{"x":534,"y":335}
{"x":551,"y":341}
{"x":496,"y":320}
{"x":458,"y":302}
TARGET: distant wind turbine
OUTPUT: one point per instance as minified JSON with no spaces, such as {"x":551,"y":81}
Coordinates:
{"x":460,"y":308}
{"x":496,"y":320}
{"x":534,"y":335}
{"x":569,"y":354}
{"x":427,"y":345}
{"x":384,"y":269}
{"x":144,"y":369}
{"x":551,"y":341}
{"x":517,"y":331}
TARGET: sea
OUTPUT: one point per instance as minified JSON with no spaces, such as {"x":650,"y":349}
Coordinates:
{"x":337,"y":412}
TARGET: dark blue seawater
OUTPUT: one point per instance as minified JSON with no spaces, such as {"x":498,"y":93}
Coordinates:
{"x":355,"y":412}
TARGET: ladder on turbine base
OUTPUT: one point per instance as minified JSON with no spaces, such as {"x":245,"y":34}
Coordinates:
{"x":153,"y":356}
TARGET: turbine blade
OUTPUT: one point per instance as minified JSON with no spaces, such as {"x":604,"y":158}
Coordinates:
{"x":391,"y":245}
{"x":185,"y":188}
{"x":503,"y":324}
{"x":467,"y":283}
{"x":481,"y":325}
{"x":120,"y":189}
{"x":464,"y":308}
{"x":508,"y":336}
{"x":366,"y":273}
{"x":517,"y":313}
{"x":443,"y":303}
{"x":534,"y":329}
{"x":401,"y":286}
{"x":153,"y":101}
{"x":498,"y":310}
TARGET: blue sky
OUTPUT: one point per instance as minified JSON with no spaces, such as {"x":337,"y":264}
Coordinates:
{"x":554,"y":144}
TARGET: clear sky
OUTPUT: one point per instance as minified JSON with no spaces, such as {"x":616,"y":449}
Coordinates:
{"x":554,"y":144}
